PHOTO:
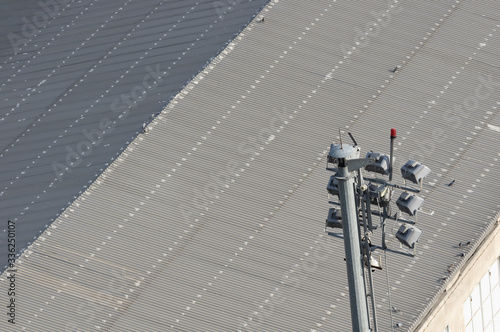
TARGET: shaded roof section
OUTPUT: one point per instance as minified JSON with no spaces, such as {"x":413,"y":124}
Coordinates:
{"x":12,"y":16}
{"x":214,"y":219}
{"x":91,"y":65}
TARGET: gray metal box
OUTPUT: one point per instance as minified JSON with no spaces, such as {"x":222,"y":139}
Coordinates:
{"x":381,"y":164}
{"x":408,"y":235}
{"x":414,"y":171}
{"x":409,"y":204}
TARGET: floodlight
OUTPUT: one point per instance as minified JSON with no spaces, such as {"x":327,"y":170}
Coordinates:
{"x":408,"y":235}
{"x":414,"y":171}
{"x":334,"y":219}
{"x":409,"y":203}
{"x":333,"y":185}
{"x":381,"y":164}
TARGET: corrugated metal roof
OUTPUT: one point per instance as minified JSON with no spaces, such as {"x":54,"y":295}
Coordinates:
{"x":213,"y":220}
{"x":77,"y":71}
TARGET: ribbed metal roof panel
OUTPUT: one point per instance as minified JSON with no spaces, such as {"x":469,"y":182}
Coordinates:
{"x":214,"y":219}
{"x":74,"y":73}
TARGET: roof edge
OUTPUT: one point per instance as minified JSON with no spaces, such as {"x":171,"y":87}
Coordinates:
{"x":455,"y":276}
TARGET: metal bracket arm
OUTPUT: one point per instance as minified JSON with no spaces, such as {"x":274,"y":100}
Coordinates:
{"x":355,"y":164}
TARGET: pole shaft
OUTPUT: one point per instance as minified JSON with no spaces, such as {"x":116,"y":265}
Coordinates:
{"x":354,"y":259}
{"x":391,"y":162}
{"x":391,"y":159}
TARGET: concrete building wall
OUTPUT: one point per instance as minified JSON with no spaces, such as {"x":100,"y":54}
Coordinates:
{"x":449,"y":309}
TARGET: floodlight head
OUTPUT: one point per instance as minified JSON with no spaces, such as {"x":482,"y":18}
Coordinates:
{"x":409,"y":203}
{"x":408,"y":235}
{"x":334,"y":219}
{"x":333,"y":185}
{"x":381,"y":164}
{"x":414,"y":171}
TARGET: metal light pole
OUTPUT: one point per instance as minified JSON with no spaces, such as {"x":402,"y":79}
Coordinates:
{"x":357,"y":249}
{"x":354,"y":258}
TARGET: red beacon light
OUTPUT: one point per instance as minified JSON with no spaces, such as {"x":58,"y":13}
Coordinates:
{"x":393,"y":133}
